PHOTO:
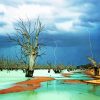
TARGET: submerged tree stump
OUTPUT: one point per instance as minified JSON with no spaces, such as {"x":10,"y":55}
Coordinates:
{"x":29,"y":73}
{"x":57,"y":70}
{"x":96,"y":71}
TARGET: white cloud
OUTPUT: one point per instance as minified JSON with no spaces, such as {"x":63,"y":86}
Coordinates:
{"x":66,"y":26}
{"x":12,"y":14}
{"x":69,"y":26}
{"x":48,"y":10}
{"x":31,"y":11}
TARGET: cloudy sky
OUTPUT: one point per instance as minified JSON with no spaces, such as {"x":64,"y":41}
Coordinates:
{"x":67,"y":22}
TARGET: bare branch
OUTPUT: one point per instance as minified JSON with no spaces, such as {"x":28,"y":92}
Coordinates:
{"x":28,"y":40}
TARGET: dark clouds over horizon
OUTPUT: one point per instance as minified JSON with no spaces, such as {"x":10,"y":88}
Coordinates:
{"x":61,"y":40}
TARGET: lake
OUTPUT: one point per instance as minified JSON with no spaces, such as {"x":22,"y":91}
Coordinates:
{"x":57,"y":90}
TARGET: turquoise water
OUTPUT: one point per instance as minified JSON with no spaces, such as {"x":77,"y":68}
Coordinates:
{"x":80,"y":76}
{"x":7,"y":79}
{"x":57,"y":90}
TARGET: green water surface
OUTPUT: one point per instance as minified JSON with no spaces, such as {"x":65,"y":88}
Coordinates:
{"x":57,"y":90}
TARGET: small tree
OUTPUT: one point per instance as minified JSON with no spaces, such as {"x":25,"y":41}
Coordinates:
{"x":95,"y":66}
{"x":27,"y":37}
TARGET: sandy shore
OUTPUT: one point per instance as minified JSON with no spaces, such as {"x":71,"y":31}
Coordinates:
{"x":97,"y":82}
{"x":96,"y":79}
{"x":66,"y":74}
{"x":73,"y":81}
{"x":31,"y":84}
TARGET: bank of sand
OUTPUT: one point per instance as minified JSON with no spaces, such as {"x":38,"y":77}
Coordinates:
{"x":27,"y":85}
{"x":95,"y":80}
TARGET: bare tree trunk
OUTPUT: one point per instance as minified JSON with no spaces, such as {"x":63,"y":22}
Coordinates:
{"x":96,"y":71}
{"x":31,"y":61}
{"x":30,"y":70}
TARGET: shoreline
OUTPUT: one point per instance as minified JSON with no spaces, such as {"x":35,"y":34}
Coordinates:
{"x":27,"y":85}
{"x":35,"y":83}
{"x":95,"y":80}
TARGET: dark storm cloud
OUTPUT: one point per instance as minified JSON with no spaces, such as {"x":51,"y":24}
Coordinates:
{"x":92,"y":19}
{"x":66,"y":40}
{"x":92,"y":15}
{"x":50,"y":40}
{"x":90,"y":10}
{"x":84,"y":24}
{"x":5,"y":42}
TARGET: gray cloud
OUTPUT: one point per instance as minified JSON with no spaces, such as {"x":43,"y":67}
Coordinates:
{"x":62,"y":40}
{"x":20,"y":2}
{"x":1,"y":13}
{"x":93,"y":18}
{"x":2,"y":24}
{"x":81,"y":2}
{"x":9,"y":2}
{"x":84,"y":24}
{"x":90,"y":18}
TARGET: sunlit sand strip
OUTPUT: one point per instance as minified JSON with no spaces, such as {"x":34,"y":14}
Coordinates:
{"x":94,"y":81}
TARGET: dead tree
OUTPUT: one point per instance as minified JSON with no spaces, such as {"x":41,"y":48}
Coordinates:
{"x":27,"y":37}
{"x":95,"y":66}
